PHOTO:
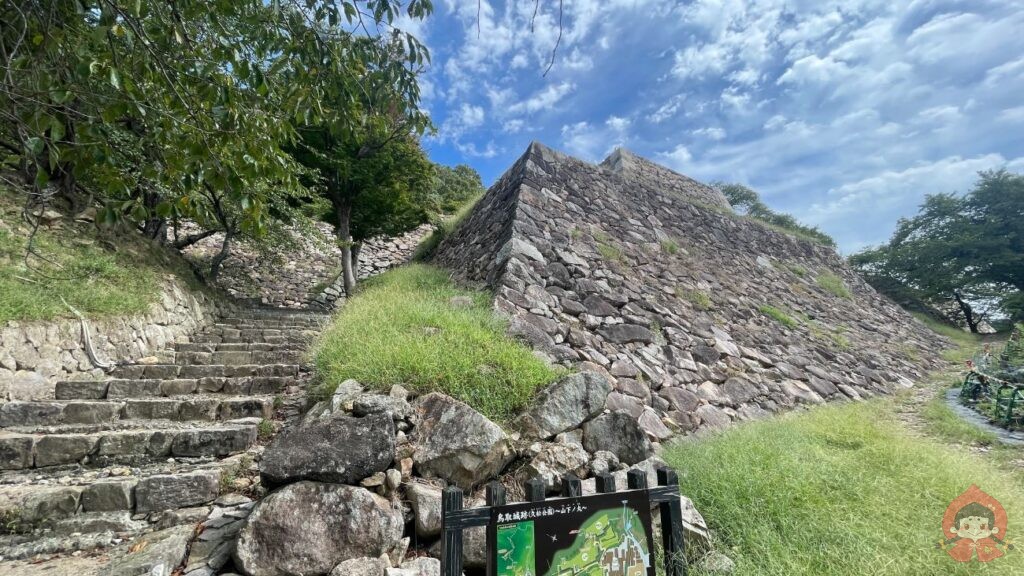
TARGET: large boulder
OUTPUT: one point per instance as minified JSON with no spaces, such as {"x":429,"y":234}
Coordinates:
{"x":339,"y":449}
{"x":553,"y":461}
{"x":309,"y":528}
{"x":426,"y":507}
{"x":619,"y":434}
{"x":454,"y":442}
{"x":566,"y":404}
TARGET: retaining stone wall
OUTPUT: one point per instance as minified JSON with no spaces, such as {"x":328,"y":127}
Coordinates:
{"x":35,"y":355}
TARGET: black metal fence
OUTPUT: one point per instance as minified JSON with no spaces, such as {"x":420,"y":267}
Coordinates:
{"x":455,"y":518}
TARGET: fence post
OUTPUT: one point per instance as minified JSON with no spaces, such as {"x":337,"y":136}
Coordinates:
{"x":571,"y":486}
{"x":495,"y":497}
{"x":636,"y":479}
{"x":672,"y":527}
{"x":536,"y":490}
{"x":451,"y":555}
{"x":605,"y":483}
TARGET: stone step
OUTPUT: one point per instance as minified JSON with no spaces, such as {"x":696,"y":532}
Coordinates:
{"x":178,"y":409}
{"x":89,"y":501}
{"x":249,"y":329}
{"x":236,"y":346}
{"x":129,"y":441}
{"x":287,"y":340}
{"x":161,"y":371}
{"x":298,"y":323}
{"x":239,"y":357}
{"x":152,"y":387}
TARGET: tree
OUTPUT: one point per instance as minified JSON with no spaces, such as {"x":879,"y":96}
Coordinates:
{"x":748,"y":202}
{"x":964,"y":254}
{"x":367,"y":170}
{"x":146,"y":106}
{"x":452,"y":187}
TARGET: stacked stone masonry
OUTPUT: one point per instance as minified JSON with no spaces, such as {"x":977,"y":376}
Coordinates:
{"x":648,"y":276}
{"x":153,"y":444}
{"x":34,"y":356}
{"x":303,"y":271}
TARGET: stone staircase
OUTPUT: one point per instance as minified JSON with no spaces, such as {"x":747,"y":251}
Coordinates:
{"x":155,"y":442}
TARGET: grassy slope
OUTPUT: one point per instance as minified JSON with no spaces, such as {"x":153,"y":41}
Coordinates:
{"x":850,"y":489}
{"x":403,"y":328}
{"x":100,"y":276}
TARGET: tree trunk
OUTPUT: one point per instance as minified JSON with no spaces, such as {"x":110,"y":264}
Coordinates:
{"x":344,"y":211}
{"x":356,"y":248}
{"x":968,"y":312}
{"x":225,"y":251}
{"x":182,"y":243}
{"x":155,"y":229}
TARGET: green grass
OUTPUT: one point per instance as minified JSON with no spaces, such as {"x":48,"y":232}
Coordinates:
{"x":669,"y":246}
{"x":425,"y":250}
{"x":841,"y":490}
{"x":796,"y":269}
{"x":77,"y":265}
{"x":965,"y":344}
{"x":943,"y":422}
{"x":403,"y":329}
{"x":699,"y":298}
{"x":834,"y":285}
{"x":778,"y":315}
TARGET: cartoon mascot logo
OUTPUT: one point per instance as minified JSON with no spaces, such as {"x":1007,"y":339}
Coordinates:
{"x":975,"y":526}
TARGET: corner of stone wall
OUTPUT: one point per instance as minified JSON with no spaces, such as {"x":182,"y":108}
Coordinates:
{"x":34,"y":356}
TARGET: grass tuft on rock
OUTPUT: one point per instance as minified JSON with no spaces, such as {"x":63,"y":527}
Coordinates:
{"x":412,"y":326}
{"x":778,"y":315}
{"x":840,"y":491}
{"x":834,"y":285}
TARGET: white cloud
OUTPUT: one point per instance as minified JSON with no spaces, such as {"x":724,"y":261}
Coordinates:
{"x":678,"y":158}
{"x":712,"y":133}
{"x":544,"y":99}
{"x":1014,"y":115}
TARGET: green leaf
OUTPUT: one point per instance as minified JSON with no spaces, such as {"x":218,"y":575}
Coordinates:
{"x":35,"y":145}
{"x":56,"y":129}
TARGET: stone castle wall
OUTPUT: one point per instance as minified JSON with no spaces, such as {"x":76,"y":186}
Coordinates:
{"x":35,"y":355}
{"x":305,"y":270}
{"x":642,"y":274}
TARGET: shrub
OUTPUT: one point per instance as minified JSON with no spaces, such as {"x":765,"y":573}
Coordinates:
{"x":834,"y":285}
{"x":669,"y":246}
{"x":699,"y":298}
{"x":778,"y":315}
{"x":403,"y":328}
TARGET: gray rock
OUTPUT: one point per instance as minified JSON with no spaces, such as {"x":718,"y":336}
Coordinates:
{"x":626,"y":333}
{"x":29,"y":413}
{"x":619,"y":434}
{"x":339,"y":449}
{"x":716,"y":563}
{"x":16,"y":452}
{"x":454,"y":442}
{"x":344,"y":394}
{"x":712,"y":417}
{"x":94,"y":522}
{"x":52,"y":450}
{"x":420,"y":566}
{"x":168,"y":491}
{"x":739,"y":389}
{"x":553,"y":461}
{"x":398,"y":408}
{"x":156,"y":553}
{"x":426,"y":507}
{"x":109,"y":495}
{"x":705,"y":354}
{"x":680,"y":399}
{"x":566,"y":404}
{"x":361,"y":567}
{"x":651,"y":423}
{"x":309,"y":528}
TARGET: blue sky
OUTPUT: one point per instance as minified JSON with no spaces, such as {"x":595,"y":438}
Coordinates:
{"x":843,"y":113}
